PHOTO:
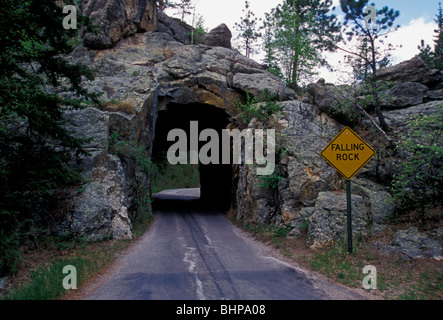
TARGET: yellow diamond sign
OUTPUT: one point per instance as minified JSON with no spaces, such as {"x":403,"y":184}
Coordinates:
{"x":348,"y":153}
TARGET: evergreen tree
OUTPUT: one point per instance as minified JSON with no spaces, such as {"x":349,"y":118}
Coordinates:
{"x":356,"y":28}
{"x":301,"y":29}
{"x":36,"y":86}
{"x":199,"y":32}
{"x":426,"y":53}
{"x":438,"y":48}
{"x":270,"y":59}
{"x":434,"y":58}
{"x":247,"y":30}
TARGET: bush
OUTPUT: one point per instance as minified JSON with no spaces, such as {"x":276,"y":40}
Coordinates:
{"x":418,"y":182}
{"x":260,"y":109}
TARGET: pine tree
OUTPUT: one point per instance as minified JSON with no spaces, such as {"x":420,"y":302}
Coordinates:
{"x":426,"y":53}
{"x":34,"y":143}
{"x":356,"y":28}
{"x":438,"y":48}
{"x":247,"y":28}
{"x":301,"y":29}
{"x":270,"y":59}
{"x":434,"y":58}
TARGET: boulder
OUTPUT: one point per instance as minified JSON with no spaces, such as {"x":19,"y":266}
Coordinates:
{"x":404,"y":94}
{"x":328,"y":218}
{"x":434,"y":94}
{"x":413,"y":70}
{"x":116,"y":19}
{"x":336,"y":101}
{"x":256,"y":84}
{"x":220,"y":36}
{"x":377,"y":199}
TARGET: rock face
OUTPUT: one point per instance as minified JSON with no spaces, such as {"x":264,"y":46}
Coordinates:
{"x":102,"y":207}
{"x":311,"y":194}
{"x":327,"y":219}
{"x":116,"y":19}
{"x":336,"y":101}
{"x":173,"y":27}
{"x":153,"y":70}
{"x":148,"y":71}
{"x":414,"y":244}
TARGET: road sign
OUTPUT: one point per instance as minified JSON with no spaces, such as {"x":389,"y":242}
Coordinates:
{"x":348,"y":153}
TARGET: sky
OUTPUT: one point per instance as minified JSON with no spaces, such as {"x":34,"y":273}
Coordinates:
{"x":416,"y":23}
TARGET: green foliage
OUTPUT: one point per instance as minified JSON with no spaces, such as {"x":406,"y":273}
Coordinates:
{"x":168,"y":176}
{"x":418,"y":182}
{"x":199,"y":32}
{"x":270,"y":181}
{"x":247,"y":30}
{"x":296,"y":32}
{"x":434,"y":58}
{"x":426,"y":53}
{"x":36,"y":86}
{"x":132,"y":150}
{"x":261,"y":109}
{"x":372,"y":52}
{"x":46,"y":282}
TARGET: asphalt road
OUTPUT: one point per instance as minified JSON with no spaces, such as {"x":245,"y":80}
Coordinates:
{"x":191,"y":253}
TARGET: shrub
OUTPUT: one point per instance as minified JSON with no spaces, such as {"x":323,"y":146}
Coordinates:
{"x":418,"y":181}
{"x":260,"y":109}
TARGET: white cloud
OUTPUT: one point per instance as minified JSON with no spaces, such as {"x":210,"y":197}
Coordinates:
{"x":409,"y":37}
{"x":405,"y":41}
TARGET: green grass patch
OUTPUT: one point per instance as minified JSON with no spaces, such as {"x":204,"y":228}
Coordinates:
{"x":45,"y":282}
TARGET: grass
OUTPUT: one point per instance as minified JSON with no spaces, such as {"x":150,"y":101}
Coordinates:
{"x":40,"y":275}
{"x":397,"y":278}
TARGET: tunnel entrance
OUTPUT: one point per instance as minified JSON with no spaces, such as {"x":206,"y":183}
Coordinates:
{"x":215,"y":179}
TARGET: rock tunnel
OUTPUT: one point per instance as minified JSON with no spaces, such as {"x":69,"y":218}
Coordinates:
{"x":215,"y":179}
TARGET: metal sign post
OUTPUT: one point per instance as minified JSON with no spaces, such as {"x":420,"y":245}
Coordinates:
{"x":348,"y":153}
{"x":349,"y":214}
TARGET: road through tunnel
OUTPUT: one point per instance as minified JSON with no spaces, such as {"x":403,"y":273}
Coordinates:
{"x":191,"y":120}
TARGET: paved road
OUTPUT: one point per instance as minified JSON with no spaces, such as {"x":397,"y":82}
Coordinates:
{"x":191,"y":253}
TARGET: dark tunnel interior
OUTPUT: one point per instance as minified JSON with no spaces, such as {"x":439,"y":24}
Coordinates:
{"x":215,"y":179}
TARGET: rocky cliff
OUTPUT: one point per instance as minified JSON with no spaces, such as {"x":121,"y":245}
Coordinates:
{"x":146,"y":72}
{"x":149,"y":64}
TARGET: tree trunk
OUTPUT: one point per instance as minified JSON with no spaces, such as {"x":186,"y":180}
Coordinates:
{"x":374,"y":89}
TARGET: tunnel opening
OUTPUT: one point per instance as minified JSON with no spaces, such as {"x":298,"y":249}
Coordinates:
{"x":214,"y":180}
